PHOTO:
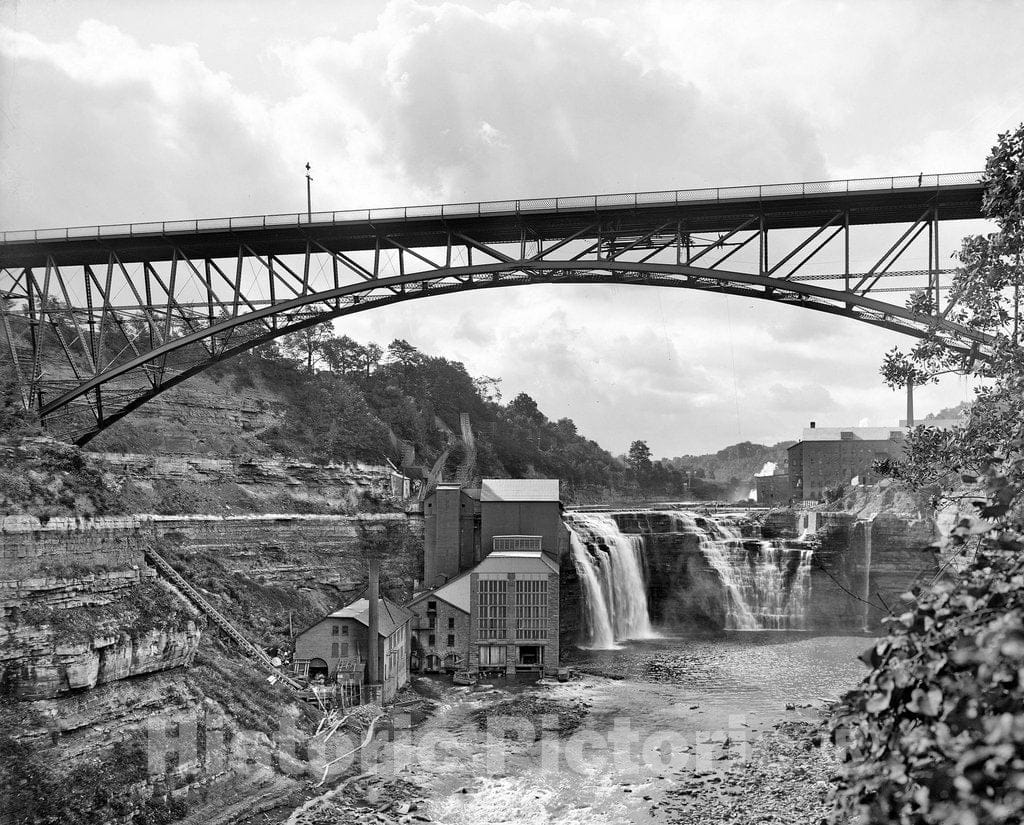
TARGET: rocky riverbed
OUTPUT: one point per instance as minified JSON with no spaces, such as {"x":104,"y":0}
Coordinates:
{"x":679,"y":731}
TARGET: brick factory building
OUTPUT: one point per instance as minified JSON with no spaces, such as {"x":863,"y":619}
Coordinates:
{"x":460,"y":523}
{"x":774,"y":490}
{"x":336,"y":648}
{"x":500,"y":617}
{"x":491,"y":563}
{"x":830,"y":456}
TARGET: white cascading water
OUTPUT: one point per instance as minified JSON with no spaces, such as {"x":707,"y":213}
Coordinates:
{"x":764,"y":591}
{"x":611,"y":567}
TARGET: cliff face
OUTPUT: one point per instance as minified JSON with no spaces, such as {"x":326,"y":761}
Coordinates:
{"x":250,"y":484}
{"x":80,"y":607}
{"x":46,"y":478}
{"x":206,"y":415}
{"x":107,"y":673}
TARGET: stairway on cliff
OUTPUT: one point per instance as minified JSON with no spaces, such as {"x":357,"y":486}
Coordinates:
{"x":253,"y":652}
{"x":467,"y":469}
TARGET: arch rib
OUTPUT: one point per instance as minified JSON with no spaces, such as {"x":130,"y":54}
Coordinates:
{"x":362,"y":297}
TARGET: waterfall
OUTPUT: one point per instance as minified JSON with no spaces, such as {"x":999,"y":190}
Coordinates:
{"x":611,"y":569}
{"x":767,"y":585}
{"x":868,"y":524}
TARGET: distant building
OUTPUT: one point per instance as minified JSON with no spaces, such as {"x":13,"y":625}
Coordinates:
{"x":829,"y":456}
{"x":460,"y":523}
{"x":774,"y":490}
{"x":500,"y":617}
{"x":336,"y":648}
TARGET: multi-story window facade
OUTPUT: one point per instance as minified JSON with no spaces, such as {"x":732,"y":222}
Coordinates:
{"x":492,"y":611}
{"x":531,"y":606}
{"x":515,"y":608}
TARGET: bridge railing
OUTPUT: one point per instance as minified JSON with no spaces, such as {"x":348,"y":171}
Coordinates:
{"x":571,"y":203}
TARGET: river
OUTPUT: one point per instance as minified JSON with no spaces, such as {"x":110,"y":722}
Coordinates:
{"x":646,"y":713}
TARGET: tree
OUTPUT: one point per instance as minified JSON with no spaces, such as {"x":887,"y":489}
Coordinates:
{"x":525,"y":407}
{"x":343,"y":356}
{"x":306,"y":345}
{"x":404,"y":354}
{"x":370,"y":358}
{"x":488,"y":389}
{"x":985,"y":293}
{"x":639,"y":457}
{"x":935,"y":729}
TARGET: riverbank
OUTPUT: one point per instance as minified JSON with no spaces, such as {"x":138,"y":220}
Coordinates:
{"x":787,"y":779}
{"x":668,"y":731}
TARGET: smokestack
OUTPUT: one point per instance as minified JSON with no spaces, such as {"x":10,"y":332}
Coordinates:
{"x":812,"y":425}
{"x":373,"y":596}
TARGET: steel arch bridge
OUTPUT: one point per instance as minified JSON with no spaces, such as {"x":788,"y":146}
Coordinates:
{"x":99,"y":320}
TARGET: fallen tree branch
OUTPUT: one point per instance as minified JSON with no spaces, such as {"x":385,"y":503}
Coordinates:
{"x":363,"y":744}
{"x":296,"y":817}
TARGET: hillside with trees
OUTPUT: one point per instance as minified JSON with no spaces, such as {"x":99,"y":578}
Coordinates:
{"x":336,"y":400}
{"x":734,"y":464}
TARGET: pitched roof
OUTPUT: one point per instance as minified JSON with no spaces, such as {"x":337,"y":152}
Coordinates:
{"x":455,"y":591}
{"x":519,"y":489}
{"x":392,"y":615}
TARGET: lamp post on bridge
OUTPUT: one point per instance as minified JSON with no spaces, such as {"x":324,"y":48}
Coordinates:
{"x":309,"y":196}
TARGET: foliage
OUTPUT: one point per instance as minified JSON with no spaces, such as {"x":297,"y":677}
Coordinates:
{"x":307,"y":345}
{"x":144,"y":608}
{"x":370,"y":405}
{"x":14,"y":418}
{"x":332,"y":421}
{"x":48,"y":478}
{"x":985,"y":293}
{"x":936,"y":729}
{"x":639,"y":457}
{"x":37,"y":788}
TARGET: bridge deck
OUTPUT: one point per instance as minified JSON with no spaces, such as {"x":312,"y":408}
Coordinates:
{"x":780,"y":206}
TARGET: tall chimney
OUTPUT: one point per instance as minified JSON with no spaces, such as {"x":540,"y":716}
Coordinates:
{"x":373,"y":643}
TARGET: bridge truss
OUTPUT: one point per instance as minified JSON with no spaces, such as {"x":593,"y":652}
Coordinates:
{"x":99,"y":320}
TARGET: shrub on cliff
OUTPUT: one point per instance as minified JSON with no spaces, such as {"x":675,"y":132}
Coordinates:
{"x":936,"y":732}
{"x":47,"y":478}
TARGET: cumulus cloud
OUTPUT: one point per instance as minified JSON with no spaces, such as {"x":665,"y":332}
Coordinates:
{"x":519,"y":100}
{"x":126,"y":133}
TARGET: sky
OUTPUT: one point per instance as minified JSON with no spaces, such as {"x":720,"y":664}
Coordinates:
{"x":114,"y":111}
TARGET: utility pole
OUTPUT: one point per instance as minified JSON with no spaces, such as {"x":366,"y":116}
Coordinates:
{"x":373,"y":620}
{"x":309,"y":196}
